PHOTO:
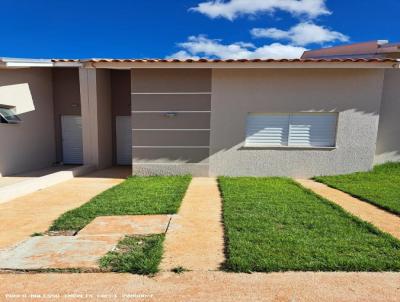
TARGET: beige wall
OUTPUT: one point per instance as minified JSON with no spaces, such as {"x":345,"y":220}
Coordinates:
{"x":354,"y":93}
{"x":388,"y":144}
{"x":171,"y":145}
{"x":66,"y":100}
{"x":29,"y":145}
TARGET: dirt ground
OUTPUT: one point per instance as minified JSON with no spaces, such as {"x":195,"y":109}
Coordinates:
{"x":203,"y":286}
{"x":35,"y":212}
{"x":195,"y":237}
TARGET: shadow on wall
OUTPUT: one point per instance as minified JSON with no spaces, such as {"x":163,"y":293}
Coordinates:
{"x":18,"y":96}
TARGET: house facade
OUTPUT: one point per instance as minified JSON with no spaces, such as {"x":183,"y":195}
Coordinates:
{"x":296,"y":118}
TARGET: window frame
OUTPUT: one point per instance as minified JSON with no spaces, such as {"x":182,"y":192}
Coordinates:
{"x":287,"y":146}
{"x":7,"y":121}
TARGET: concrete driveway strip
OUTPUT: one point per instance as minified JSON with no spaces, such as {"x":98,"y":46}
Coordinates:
{"x":382,"y":219}
{"x":195,"y":237}
{"x":35,"y":212}
{"x":203,"y":286}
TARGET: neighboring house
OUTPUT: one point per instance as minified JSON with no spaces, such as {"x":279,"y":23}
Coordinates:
{"x":206,"y":117}
{"x":369,"y":50}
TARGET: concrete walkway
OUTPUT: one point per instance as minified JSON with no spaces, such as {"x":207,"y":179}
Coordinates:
{"x":195,"y":237}
{"x":382,"y":219}
{"x":35,"y":212}
{"x":82,"y":251}
{"x":205,"y":286}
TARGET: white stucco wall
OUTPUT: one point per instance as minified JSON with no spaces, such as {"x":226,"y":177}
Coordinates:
{"x":29,"y":145}
{"x":354,"y":93}
{"x":388,"y":144}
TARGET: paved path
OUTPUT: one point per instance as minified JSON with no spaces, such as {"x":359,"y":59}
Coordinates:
{"x":194,"y":238}
{"x":382,"y":219}
{"x":35,"y":212}
{"x":208,"y":286}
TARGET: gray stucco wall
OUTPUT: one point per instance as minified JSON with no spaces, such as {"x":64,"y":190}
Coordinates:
{"x":388,"y":144}
{"x":354,"y":93}
{"x":29,"y":145}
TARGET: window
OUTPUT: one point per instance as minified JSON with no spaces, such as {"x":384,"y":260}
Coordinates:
{"x":291,"y":130}
{"x":7,"y":116}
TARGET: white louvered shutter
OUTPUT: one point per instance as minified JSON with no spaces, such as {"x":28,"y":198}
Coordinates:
{"x":71,"y":130}
{"x":267,"y":130}
{"x":312,"y":130}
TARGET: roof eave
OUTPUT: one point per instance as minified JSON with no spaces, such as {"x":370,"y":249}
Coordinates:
{"x":241,"y":65}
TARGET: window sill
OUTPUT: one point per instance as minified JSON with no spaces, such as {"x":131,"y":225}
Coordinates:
{"x":9,"y":124}
{"x":288,"y":148}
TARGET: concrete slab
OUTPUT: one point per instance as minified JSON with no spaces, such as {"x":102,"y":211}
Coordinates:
{"x":57,"y":252}
{"x":382,"y":219}
{"x":127,"y":225}
{"x":195,"y":237}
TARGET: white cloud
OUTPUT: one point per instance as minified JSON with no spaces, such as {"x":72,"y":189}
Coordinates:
{"x":183,"y":55}
{"x":234,"y":8}
{"x":302,"y":34}
{"x":197,"y":46}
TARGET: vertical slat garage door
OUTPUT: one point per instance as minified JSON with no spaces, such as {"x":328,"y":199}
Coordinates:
{"x":71,"y":127}
{"x":124,"y":140}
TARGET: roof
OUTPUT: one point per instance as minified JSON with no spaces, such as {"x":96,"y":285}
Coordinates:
{"x":311,"y":60}
{"x":368,"y":50}
{"x":204,"y":63}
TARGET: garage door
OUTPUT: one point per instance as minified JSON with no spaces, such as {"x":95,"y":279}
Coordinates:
{"x":124,"y":140}
{"x":71,"y":128}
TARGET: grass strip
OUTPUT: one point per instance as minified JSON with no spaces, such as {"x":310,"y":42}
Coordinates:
{"x":274,"y":224}
{"x":136,"y":255}
{"x":380,"y":187}
{"x":135,"y":196}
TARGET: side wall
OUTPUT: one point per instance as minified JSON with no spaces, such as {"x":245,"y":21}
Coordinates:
{"x":354,"y":93}
{"x":29,"y":145}
{"x":121,"y":100}
{"x":171,"y":121}
{"x":67,"y":100}
{"x":388,"y":144}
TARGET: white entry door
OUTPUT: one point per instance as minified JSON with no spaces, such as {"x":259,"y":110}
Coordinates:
{"x":124,"y":140}
{"x":71,"y":128}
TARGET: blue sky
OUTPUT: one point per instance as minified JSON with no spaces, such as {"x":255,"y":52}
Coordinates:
{"x":182,"y":28}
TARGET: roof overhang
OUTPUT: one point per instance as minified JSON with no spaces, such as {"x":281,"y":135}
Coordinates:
{"x":31,"y":63}
{"x":336,"y":63}
{"x":245,"y":64}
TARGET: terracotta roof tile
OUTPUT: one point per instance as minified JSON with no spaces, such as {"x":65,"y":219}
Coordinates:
{"x":327,"y":60}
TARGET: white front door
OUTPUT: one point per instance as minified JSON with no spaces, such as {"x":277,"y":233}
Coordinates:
{"x":124,"y":140}
{"x":71,"y":128}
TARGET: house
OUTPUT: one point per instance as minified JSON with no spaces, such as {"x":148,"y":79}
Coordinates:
{"x":301,"y":118}
{"x":373,"y":49}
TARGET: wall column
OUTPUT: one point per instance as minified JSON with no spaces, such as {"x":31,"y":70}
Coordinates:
{"x":96,"y":117}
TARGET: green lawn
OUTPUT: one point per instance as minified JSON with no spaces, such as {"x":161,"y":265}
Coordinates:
{"x":380,"y":187}
{"x":274,"y":224}
{"x":136,"y":255}
{"x":135,"y":196}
